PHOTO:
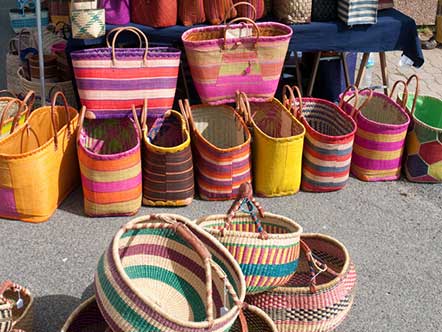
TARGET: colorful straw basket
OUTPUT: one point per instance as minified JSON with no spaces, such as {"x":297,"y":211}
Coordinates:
{"x":320,"y":295}
{"x":222,"y":62}
{"x":278,"y":139}
{"x":164,"y":273}
{"x":27,"y":19}
{"x":266,"y":245}
{"x":221,"y":146}
{"x":110,"y":163}
{"x":380,"y":137}
{"x":167,"y":161}
{"x":46,"y":145}
{"x":86,"y":318}
{"x":14,"y":112}
{"x":328,"y":144}
{"x":111,"y":80}
{"x":257,"y":321}
{"x":424,"y":140}
{"x":20,"y":303}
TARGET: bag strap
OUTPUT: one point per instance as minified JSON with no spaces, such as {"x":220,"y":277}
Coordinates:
{"x":137,"y":122}
{"x":290,"y":103}
{"x":243,"y":107}
{"x":241,"y":19}
{"x":28,"y":104}
{"x":135,"y":31}
{"x":416,"y":91}
{"x":7,"y":93}
{"x":245,"y":3}
{"x":404,"y":100}
{"x":357,"y":93}
{"x":186,"y":111}
{"x":53,"y":116}
{"x":6,"y":115}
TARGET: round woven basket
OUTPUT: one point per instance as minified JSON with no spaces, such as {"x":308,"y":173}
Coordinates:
{"x":86,"y":318}
{"x":320,"y":295}
{"x":164,"y":273}
{"x":257,"y":321}
{"x":21,"y":304}
{"x":266,"y":249}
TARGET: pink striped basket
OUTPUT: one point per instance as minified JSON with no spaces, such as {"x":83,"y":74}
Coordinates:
{"x":222,"y":63}
{"x":110,"y":80}
{"x":380,"y":137}
{"x":110,"y":163}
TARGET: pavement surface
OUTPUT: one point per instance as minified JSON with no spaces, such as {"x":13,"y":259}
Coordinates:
{"x":392,"y":230}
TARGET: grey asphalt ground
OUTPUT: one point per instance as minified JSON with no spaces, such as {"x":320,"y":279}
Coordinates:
{"x":392,"y":230}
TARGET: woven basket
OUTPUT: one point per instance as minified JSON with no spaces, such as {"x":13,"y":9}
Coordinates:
{"x":265,"y":246}
{"x":324,"y":10}
{"x":328,"y":143}
{"x":257,"y":321}
{"x":320,"y":295}
{"x":14,"y":112}
{"x":110,"y":164}
{"x":50,"y":65}
{"x":88,"y":23}
{"x":164,"y":273}
{"x":380,"y":137}
{"x":167,"y":161}
{"x":86,"y":318}
{"x":221,"y":146}
{"x":292,"y":11}
{"x":27,"y":19}
{"x":21,"y":304}
{"x":277,"y":135}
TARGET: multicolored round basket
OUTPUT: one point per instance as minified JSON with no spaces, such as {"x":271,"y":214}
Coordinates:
{"x":21,"y":306}
{"x":265,"y":245}
{"x":164,"y":273}
{"x":320,"y":294}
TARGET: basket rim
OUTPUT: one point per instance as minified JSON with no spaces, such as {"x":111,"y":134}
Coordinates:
{"x":74,"y":314}
{"x":234,"y":310}
{"x":419,"y":121}
{"x":250,"y":235}
{"x":261,"y":314}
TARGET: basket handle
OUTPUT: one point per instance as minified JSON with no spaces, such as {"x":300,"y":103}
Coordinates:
{"x":243,"y":107}
{"x":7,"y":93}
{"x":416,"y":91}
{"x":355,"y":96}
{"x":28,"y":102}
{"x":81,"y":122}
{"x":241,"y":19}
{"x":5,"y":115}
{"x":9,"y":285}
{"x":108,"y":44}
{"x":315,"y":265}
{"x":66,"y":108}
{"x":137,"y":122}
{"x":404,"y":100}
{"x":136,"y":31}
{"x":290,"y":103}
{"x":229,"y":11}
{"x":186,"y":111}
{"x":357,"y":93}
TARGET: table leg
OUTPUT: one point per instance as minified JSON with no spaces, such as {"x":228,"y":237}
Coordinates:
{"x":345,"y":65}
{"x":361,"y":71}
{"x":314,"y":73}
{"x":384,"y":72}
{"x":298,"y":72}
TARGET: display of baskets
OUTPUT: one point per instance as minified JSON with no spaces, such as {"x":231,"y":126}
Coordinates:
{"x":320,"y":294}
{"x":18,"y":302}
{"x":265,"y":245}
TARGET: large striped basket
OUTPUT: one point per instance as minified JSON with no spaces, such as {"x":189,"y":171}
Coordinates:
{"x":328,"y":144}
{"x":380,"y":138}
{"x":221,"y":62}
{"x":320,"y":295}
{"x":221,"y":146}
{"x":266,"y":245}
{"x":110,"y":163}
{"x":111,"y":80}
{"x":277,"y":136}
{"x":21,"y":305}
{"x":167,"y":161}
{"x":164,"y":273}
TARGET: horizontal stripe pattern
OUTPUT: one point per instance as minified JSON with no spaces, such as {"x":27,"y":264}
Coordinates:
{"x":107,"y":86}
{"x":356,"y":12}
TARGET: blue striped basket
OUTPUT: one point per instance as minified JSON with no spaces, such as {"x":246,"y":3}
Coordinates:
{"x":26,"y":19}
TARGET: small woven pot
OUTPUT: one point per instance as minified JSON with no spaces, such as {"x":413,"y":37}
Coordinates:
{"x":257,"y":321}
{"x":265,"y":246}
{"x":21,"y":304}
{"x":164,"y":273}
{"x":86,"y":318}
{"x":320,"y":295}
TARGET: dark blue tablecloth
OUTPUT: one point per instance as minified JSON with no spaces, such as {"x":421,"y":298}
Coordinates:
{"x":393,"y":32}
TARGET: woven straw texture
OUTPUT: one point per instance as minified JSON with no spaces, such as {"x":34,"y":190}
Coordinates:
{"x":317,"y":304}
{"x":257,"y":321}
{"x":110,"y":163}
{"x":324,"y":10}
{"x":12,"y":112}
{"x":220,"y":67}
{"x":222,"y":151}
{"x":117,"y":11}
{"x":154,"y":13}
{"x":328,"y":145}
{"x":356,"y":12}
{"x":22,"y":318}
{"x":50,"y":65}
{"x":277,"y":136}
{"x":34,"y":196}
{"x":292,"y":11}
{"x":111,"y":80}
{"x":191,"y":12}
{"x":167,"y":162}
{"x":86,"y":318}
{"x":218,"y":10}
{"x":5,"y":317}
{"x":88,"y":24}
{"x":380,"y":137}
{"x":28,"y":20}
{"x":164,"y":273}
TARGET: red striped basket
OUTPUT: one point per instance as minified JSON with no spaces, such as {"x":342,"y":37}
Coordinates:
{"x":380,"y":137}
{"x":320,"y":295}
{"x":221,"y":142}
{"x":110,"y":165}
{"x":328,"y":143}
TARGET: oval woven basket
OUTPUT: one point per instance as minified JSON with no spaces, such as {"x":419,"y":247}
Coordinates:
{"x":21,"y":303}
{"x":164,"y":273}
{"x":320,"y":294}
{"x":265,"y":246}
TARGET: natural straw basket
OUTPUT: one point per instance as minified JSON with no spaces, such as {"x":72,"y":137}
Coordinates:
{"x":14,"y":112}
{"x":86,"y":318}
{"x":320,"y":294}
{"x":257,"y":321}
{"x":164,"y":273}
{"x":21,"y":304}
{"x":265,"y":246}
